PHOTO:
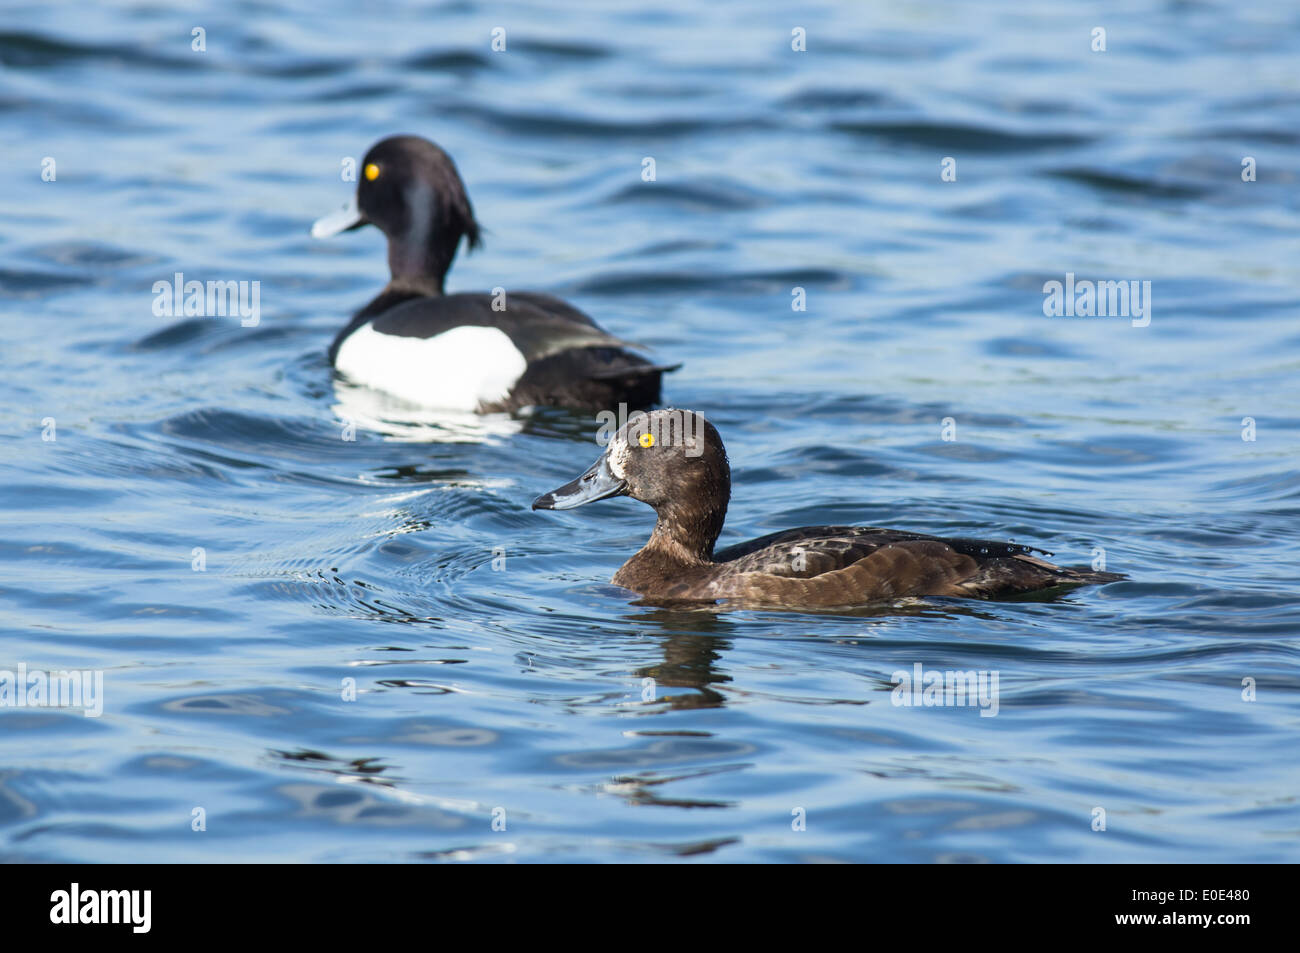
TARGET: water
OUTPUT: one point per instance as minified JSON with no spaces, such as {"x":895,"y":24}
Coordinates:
{"x":515,"y":692}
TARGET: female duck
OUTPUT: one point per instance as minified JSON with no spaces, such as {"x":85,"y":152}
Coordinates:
{"x":674,"y":460}
{"x":476,"y":352}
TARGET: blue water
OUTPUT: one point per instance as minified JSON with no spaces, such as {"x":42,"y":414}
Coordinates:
{"x":499,"y":676}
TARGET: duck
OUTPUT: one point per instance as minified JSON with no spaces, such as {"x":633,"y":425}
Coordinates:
{"x":483,"y":352}
{"x":674,"y":460}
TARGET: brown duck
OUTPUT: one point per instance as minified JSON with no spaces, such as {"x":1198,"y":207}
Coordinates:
{"x":674,"y":460}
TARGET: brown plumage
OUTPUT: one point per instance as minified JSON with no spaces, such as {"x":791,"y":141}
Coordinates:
{"x":675,"y":461}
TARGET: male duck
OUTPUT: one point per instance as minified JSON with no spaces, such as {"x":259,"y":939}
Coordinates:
{"x":476,"y":352}
{"x":674,"y":460}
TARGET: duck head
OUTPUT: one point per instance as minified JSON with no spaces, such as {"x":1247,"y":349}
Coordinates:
{"x":671,"y":459}
{"x":410,"y":189}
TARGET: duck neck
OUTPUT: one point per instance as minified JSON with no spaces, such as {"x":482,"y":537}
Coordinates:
{"x":419,"y":270}
{"x":421,"y":249}
{"x":682,"y":540}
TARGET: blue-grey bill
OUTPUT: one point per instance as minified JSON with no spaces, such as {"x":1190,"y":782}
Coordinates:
{"x":349,"y":216}
{"x":597,"y":483}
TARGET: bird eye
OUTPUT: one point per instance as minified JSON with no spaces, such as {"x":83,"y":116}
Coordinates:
{"x":372,"y":171}
{"x":647,"y":440}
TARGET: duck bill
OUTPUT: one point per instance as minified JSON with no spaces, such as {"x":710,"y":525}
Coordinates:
{"x":344,"y":220}
{"x":598,"y":483}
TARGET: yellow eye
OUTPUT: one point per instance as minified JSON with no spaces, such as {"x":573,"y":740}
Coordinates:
{"x":371,"y":171}
{"x":647,"y":440}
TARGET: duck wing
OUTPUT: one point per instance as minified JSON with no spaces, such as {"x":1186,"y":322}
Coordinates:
{"x":538,"y":325}
{"x":852,"y":565}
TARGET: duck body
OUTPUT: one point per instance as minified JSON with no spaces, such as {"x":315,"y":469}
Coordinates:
{"x":843,"y":566}
{"x":488,"y":353}
{"x":675,"y":461}
{"x":478,"y":352}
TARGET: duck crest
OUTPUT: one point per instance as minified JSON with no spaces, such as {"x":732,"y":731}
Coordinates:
{"x":421,"y":255}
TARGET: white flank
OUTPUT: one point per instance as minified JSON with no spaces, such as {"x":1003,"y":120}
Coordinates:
{"x":458,"y":369}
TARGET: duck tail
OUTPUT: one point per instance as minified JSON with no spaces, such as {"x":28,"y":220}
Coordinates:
{"x":1086,"y":576}
{"x":631,"y":370}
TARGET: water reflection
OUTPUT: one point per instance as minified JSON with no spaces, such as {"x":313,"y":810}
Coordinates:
{"x":399,"y":421}
{"x":689,"y":662}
